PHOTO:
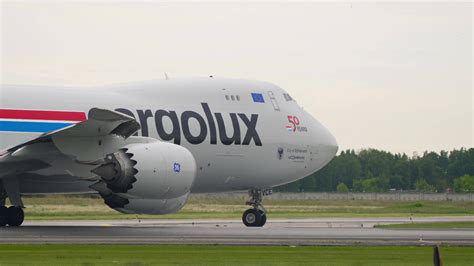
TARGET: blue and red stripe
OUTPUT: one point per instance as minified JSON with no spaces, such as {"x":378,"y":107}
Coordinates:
{"x":37,"y":121}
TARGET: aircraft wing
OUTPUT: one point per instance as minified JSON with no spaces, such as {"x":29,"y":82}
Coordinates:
{"x":86,"y":142}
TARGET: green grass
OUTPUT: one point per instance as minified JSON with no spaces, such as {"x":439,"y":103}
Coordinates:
{"x":437,"y":225}
{"x":227,"y":255}
{"x":87,"y":207}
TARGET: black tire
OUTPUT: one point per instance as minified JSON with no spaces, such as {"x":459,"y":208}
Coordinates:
{"x":15,"y":216}
{"x":251,"y":217}
{"x":3,"y":216}
{"x":263,"y":216}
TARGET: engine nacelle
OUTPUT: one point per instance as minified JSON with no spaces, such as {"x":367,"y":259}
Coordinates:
{"x":154,"y":206}
{"x":151,"y":171}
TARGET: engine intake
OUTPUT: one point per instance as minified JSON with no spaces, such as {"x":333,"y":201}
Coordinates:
{"x":146,"y":171}
{"x":118,"y":171}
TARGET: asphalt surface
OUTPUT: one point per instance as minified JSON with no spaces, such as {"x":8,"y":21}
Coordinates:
{"x":322,"y":231}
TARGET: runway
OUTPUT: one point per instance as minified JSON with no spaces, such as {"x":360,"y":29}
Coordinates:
{"x":321,"y":231}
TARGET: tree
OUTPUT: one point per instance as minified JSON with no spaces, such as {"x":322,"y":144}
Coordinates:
{"x":308,"y":184}
{"x":423,"y":186}
{"x":342,"y":188}
{"x":464,"y":184}
{"x":375,"y":184}
{"x":357,"y":186}
{"x":373,"y":170}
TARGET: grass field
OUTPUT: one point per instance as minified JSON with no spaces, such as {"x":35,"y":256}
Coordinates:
{"x":436,"y":225}
{"x":87,"y":207}
{"x":227,"y":255}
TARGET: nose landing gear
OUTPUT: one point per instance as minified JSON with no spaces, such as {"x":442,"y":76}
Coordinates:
{"x":256,"y":217}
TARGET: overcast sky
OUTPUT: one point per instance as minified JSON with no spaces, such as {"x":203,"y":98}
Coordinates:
{"x":393,"y":76}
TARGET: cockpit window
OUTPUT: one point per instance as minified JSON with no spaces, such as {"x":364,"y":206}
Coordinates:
{"x":287,"y":97}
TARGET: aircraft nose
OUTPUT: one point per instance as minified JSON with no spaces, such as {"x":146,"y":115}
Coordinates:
{"x":323,"y":144}
{"x":328,"y":142}
{"x":331,"y":142}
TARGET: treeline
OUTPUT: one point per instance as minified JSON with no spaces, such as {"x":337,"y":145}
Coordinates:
{"x":380,"y":171}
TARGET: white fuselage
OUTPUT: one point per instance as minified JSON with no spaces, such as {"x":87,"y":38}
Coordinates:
{"x":243,"y":134}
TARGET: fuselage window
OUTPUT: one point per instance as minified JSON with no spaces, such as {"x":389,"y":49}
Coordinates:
{"x":232,"y":97}
{"x":287,"y":97}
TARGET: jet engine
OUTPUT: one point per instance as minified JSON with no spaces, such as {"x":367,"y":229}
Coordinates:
{"x":148,"y":178}
{"x":153,"y":206}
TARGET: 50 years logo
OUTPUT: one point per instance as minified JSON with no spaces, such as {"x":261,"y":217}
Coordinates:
{"x":294,"y":125}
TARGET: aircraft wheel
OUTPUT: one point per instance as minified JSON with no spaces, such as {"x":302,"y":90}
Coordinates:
{"x":15,"y":216}
{"x":264,"y":217}
{"x":3,"y":216}
{"x":252,"y":217}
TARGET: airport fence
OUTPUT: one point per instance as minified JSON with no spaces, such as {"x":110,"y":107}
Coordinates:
{"x":393,"y":196}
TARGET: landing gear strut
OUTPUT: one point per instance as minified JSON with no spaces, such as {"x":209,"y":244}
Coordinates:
{"x":256,"y":216}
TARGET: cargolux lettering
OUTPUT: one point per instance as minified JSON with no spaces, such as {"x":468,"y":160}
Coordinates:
{"x":215,"y":126}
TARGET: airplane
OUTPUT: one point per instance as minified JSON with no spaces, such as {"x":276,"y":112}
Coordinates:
{"x":144,"y":147}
